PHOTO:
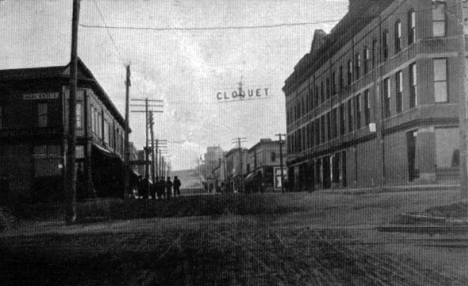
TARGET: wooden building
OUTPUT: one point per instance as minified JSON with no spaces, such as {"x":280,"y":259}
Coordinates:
{"x":33,"y":135}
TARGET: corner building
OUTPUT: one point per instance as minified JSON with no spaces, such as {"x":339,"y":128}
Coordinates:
{"x":376,"y":101}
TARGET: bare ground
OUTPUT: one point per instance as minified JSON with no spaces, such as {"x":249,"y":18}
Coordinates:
{"x":324,"y":239}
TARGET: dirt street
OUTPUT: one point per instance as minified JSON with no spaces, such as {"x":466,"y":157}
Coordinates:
{"x":322,"y":239}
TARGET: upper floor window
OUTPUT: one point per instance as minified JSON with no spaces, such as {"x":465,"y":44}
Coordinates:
{"x":322,"y":93}
{"x":398,"y":37}
{"x":79,"y":115}
{"x":273,"y":156}
{"x":342,"y":119}
{"x":350,"y":115}
{"x":366,"y":105}
{"x":350,"y":72}
{"x":334,"y":89}
{"x":440,"y":80}
{"x":413,"y":85}
{"x":399,"y":91}
{"x":366,"y":59}
{"x":42,"y":115}
{"x":411,"y":27}
{"x":386,"y":97}
{"x":328,"y":87}
{"x":438,"y":19}
{"x":385,"y":45}
{"x":374,"y":52}
{"x":358,"y":111}
{"x":316,"y":97}
{"x":357,"y":64}
{"x":340,"y":80}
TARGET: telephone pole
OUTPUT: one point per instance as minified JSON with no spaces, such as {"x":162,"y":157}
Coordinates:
{"x":239,"y":141}
{"x":462,"y":116}
{"x":147,"y":111}
{"x":70,"y":216}
{"x":281,"y":160}
{"x":126,"y":145}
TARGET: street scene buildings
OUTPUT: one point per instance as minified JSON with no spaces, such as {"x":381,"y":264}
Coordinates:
{"x":376,"y":101}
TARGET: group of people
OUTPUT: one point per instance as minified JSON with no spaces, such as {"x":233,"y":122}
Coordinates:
{"x":161,"y":188}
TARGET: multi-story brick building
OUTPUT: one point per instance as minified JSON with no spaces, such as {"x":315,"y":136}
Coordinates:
{"x":376,"y":101}
{"x":236,"y":169}
{"x":34,"y":134}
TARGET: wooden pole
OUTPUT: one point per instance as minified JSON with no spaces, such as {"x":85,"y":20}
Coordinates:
{"x":70,"y":216}
{"x":462,"y":85}
{"x":127,"y":143}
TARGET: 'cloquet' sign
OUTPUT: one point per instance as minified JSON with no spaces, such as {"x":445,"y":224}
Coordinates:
{"x":242,"y":94}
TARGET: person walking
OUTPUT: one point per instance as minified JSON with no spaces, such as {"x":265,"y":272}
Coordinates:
{"x":168,"y":188}
{"x":177,"y":185}
{"x":162,"y":188}
{"x":154,"y":188}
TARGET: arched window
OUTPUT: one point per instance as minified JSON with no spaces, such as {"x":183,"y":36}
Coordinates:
{"x":411,"y":27}
{"x":366,"y":59}
{"x":357,"y":65}
{"x":398,"y":36}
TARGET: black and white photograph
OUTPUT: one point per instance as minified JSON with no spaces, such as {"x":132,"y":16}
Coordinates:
{"x":233,"y":142}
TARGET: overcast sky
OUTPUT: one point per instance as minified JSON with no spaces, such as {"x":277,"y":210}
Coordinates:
{"x":185,"y":69}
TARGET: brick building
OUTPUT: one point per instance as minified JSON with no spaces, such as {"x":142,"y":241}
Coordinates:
{"x":34,"y":128}
{"x":375,"y":101}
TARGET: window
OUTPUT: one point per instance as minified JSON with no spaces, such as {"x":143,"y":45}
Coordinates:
{"x":322,"y":129}
{"x":366,"y":59}
{"x":413,"y":85}
{"x":366,"y":105}
{"x":273,"y":156}
{"x":328,"y":87}
{"x":350,"y":72}
{"x":358,"y":111}
{"x":399,"y":91}
{"x":386,"y":99}
{"x":322,"y":93}
{"x":99,"y":124}
{"x":357,"y":64}
{"x":1,"y":117}
{"x":438,"y":19}
{"x":350,"y":115}
{"x":334,"y":123}
{"x":106,"y":131}
{"x":385,"y":45}
{"x":329,"y":126}
{"x":342,"y":120}
{"x":411,"y":27}
{"x":340,"y":80}
{"x":334,"y":89}
{"x":374,"y":52}
{"x":397,"y":36}
{"x":42,"y":115}
{"x":79,"y":115}
{"x":440,"y":80}
{"x":316,"y":98}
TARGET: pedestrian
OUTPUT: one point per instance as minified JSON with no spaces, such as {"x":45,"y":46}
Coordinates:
{"x":162,"y":188}
{"x":168,"y":188}
{"x":154,"y":188}
{"x":177,"y":185}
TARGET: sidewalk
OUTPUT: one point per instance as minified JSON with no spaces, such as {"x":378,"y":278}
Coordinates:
{"x":388,"y":189}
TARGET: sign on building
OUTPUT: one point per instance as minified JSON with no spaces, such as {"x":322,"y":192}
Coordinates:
{"x":243,"y":94}
{"x":277,"y":176}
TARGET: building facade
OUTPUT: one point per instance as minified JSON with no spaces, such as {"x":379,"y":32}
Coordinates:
{"x":264,"y":166}
{"x":34,"y":134}
{"x":376,"y":101}
{"x":236,"y":169}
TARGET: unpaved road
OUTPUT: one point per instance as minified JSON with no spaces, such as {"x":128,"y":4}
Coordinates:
{"x":331,"y":240}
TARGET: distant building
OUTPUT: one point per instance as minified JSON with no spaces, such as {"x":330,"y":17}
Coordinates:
{"x":212,"y":156}
{"x":236,"y":169}
{"x":34,"y":134}
{"x":263,"y":166}
{"x":376,"y":101}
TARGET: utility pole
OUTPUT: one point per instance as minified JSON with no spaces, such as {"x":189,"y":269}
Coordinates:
{"x":241,"y":179}
{"x":126,"y":144}
{"x":146,"y":148}
{"x":71,"y":152}
{"x":281,"y":160}
{"x":152,"y":147}
{"x":462,"y":99}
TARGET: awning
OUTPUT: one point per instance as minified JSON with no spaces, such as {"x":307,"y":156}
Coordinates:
{"x":105,"y":152}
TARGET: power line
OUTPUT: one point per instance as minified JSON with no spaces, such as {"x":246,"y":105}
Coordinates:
{"x":209,"y":28}
{"x":108,"y":31}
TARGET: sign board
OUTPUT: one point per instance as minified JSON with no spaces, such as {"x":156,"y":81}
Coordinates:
{"x":40,"y":96}
{"x":277,"y":176}
{"x":245,"y":94}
